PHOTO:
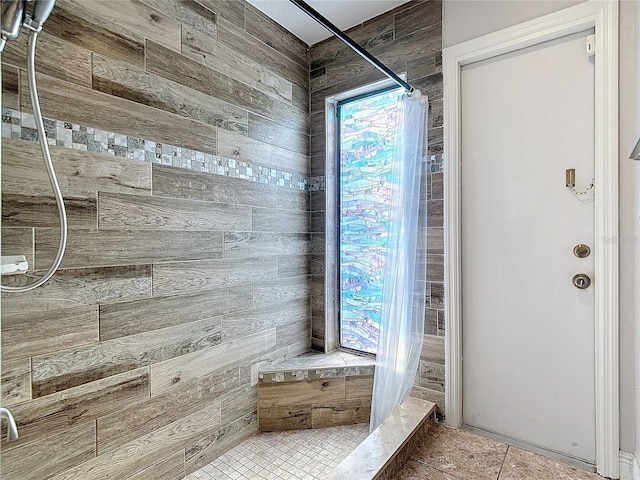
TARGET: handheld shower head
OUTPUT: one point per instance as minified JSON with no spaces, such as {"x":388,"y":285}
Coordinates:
{"x":41,"y":11}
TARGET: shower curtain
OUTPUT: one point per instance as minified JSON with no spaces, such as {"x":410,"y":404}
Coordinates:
{"x":403,"y":296}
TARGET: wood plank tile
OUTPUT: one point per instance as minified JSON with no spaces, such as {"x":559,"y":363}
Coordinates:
{"x":273,"y":133}
{"x":296,"y":417}
{"x":378,"y":31}
{"x":16,"y":381}
{"x":149,"y":449}
{"x":239,"y":147}
{"x":237,"y":38}
{"x":10,"y":87}
{"x":187,"y":12}
{"x":435,"y":241}
{"x":42,"y":211}
{"x":126,"y":81}
{"x":61,"y":370}
{"x":182,"y":183}
{"x":291,"y":116}
{"x":431,"y":376}
{"x":359,"y":387}
{"x":173,"y":278}
{"x":171,"y":468}
{"x":293,"y":265}
{"x":231,"y":10}
{"x":56,"y":413}
{"x":149,"y":314}
{"x":232,"y":63}
{"x":93,"y":36}
{"x":161,"y":213}
{"x":318,"y":201}
{"x":126,"y":247}
{"x":173,"y":66}
{"x":318,"y":222}
{"x":79,"y":287}
{"x":342,"y":413}
{"x":246,"y":322}
{"x":51,"y":455}
{"x":280,"y":290}
{"x":80,"y":174}
{"x":30,"y":334}
{"x":435,"y":268}
{"x":17,"y":241}
{"x":242,"y":400}
{"x":151,"y":414}
{"x":435,"y":215}
{"x":132,"y":18}
{"x":279,"y":220}
{"x":247,"y":244}
{"x":433,"y":349}
{"x":293,"y":199}
{"x":317,"y":265}
{"x":207,"y":449}
{"x":276,"y":36}
{"x":293,"y":333}
{"x":77,"y":104}
{"x":319,"y":392}
{"x":54,"y":57}
{"x":420,"y":16}
{"x":300,"y":98}
{"x":174,"y":373}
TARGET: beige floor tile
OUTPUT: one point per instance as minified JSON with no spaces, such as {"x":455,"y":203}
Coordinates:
{"x":461,"y":454}
{"x":522,"y":465}
{"x":413,"y":470}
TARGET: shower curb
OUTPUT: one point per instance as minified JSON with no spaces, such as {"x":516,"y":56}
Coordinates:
{"x":383,"y":453}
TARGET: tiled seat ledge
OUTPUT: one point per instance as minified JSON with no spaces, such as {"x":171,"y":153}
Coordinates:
{"x":381,"y":455}
{"x":315,"y":390}
{"x":314,"y":365}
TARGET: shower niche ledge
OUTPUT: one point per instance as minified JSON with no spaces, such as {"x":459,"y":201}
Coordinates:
{"x":315,"y":390}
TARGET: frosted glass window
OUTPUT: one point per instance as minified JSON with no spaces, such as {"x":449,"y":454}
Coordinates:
{"x":366,"y":143}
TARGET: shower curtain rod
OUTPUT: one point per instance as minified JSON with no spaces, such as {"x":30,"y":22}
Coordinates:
{"x":317,"y":16}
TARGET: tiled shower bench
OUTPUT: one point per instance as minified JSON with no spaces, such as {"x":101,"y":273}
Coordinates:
{"x":315,"y":390}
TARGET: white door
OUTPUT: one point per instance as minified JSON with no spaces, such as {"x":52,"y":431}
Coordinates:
{"x":528,"y":332}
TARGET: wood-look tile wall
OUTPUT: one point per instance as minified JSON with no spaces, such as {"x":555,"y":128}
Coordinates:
{"x":408,"y":40}
{"x":139,"y":359}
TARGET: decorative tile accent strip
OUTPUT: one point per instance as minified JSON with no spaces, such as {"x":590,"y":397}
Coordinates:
{"x":317,"y":183}
{"x":22,"y":126}
{"x":316,"y":373}
{"x":435,"y":164}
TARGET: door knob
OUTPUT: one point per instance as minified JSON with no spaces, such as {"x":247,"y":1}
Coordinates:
{"x":581,"y":281}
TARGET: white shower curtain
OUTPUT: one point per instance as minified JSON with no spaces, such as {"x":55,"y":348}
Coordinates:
{"x":403,"y":297}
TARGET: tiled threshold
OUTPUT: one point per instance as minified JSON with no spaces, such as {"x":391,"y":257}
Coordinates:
{"x":383,"y":453}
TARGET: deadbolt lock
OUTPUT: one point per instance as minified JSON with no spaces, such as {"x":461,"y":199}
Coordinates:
{"x":581,"y":281}
{"x":581,"y":250}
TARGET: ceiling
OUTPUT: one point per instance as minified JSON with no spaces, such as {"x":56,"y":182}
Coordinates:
{"x":342,"y":13}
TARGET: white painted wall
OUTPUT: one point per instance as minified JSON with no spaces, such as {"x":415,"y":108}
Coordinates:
{"x":467,"y":19}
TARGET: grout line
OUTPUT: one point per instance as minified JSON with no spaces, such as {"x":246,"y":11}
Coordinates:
{"x":503,"y":460}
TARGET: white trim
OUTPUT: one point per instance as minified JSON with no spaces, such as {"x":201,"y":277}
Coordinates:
{"x":635,"y":470}
{"x":627,"y":461}
{"x":603,"y":16}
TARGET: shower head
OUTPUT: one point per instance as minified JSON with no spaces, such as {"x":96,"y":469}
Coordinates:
{"x":41,"y":11}
{"x":13,"y":14}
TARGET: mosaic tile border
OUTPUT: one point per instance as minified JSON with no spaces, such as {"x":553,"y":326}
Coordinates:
{"x":316,"y":373}
{"x":21,"y":126}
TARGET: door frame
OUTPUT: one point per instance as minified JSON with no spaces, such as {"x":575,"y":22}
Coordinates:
{"x":603,"y":17}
